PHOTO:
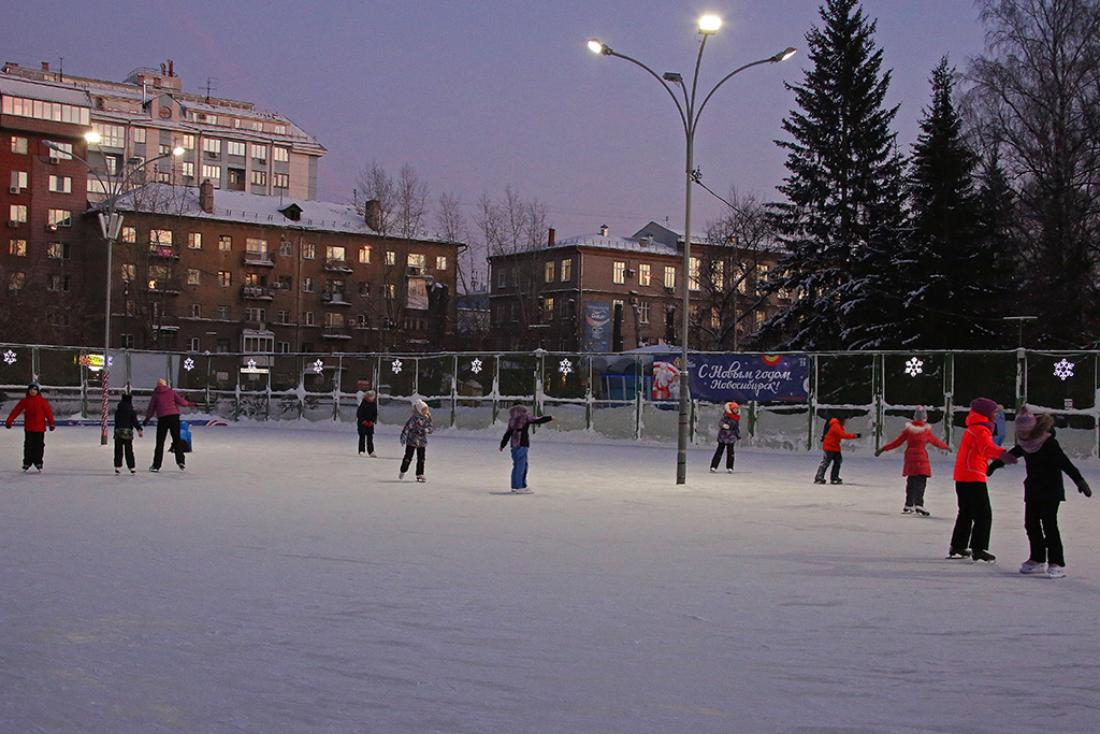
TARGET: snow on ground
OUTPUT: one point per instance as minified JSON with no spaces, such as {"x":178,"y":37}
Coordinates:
{"x":282,"y":584}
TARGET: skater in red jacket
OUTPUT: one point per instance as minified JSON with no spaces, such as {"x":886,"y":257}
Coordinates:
{"x":971,"y":534}
{"x":37,"y":414}
{"x":917,"y":468}
{"x":831,"y":446}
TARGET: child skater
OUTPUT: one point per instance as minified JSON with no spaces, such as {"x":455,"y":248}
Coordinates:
{"x":831,"y":446}
{"x":729,"y":433}
{"x":1043,"y":490}
{"x":37,"y":414}
{"x":367,"y":416}
{"x":519,"y":421}
{"x":126,"y":422}
{"x":414,"y":437}
{"x":971,"y":534}
{"x":917,"y":468}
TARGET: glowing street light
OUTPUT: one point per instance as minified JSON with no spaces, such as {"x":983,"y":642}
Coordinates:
{"x":710,"y":23}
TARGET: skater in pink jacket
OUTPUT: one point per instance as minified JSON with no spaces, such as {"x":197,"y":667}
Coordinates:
{"x":917,"y":468}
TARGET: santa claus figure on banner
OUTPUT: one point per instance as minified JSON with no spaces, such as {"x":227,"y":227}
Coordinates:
{"x":666,"y":380}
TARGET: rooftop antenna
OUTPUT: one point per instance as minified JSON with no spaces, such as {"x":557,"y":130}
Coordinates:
{"x":211,"y":85}
{"x":61,"y":69}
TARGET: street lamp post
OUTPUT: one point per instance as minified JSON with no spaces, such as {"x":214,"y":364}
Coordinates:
{"x":689,"y":118}
{"x":110,"y":224}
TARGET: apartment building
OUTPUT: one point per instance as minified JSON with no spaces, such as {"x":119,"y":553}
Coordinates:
{"x":201,"y":269}
{"x":598,"y":292}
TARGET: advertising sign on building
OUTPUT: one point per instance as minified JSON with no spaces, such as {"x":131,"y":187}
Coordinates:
{"x":597,"y":326}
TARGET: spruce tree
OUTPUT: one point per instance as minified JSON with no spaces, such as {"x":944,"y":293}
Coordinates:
{"x":844,"y":205}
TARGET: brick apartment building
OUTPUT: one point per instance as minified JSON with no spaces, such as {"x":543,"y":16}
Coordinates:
{"x":598,"y":292}
{"x":203,"y":270}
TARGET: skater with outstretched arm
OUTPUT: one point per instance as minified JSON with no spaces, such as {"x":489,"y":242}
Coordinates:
{"x":970,"y":537}
{"x":37,"y":415}
{"x":916,"y":436}
{"x":830,"y":445}
{"x":1044,"y":491}
{"x":165,"y":405}
{"x":518,"y":435}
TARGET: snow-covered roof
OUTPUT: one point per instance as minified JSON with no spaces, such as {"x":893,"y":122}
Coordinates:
{"x":625,"y":244}
{"x":14,"y":87}
{"x":243,"y":207}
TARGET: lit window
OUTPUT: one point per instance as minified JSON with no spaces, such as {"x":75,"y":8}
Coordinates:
{"x":335,"y":254}
{"x":66,"y":151}
{"x":309,"y":251}
{"x":19,"y":180}
{"x":547,"y":309}
{"x":225,"y":243}
{"x":188,"y":142}
{"x":61,"y":184}
{"x":233,"y":147}
{"x":391,"y":291}
{"x":364,"y":254}
{"x":441,"y":262}
{"x":670,"y":276}
{"x":110,"y":136}
{"x":643,"y":313}
{"x":212,"y":146}
{"x":57,"y":250}
{"x":619,"y":274}
{"x":391,"y":256}
{"x":282,"y":155}
{"x":129,"y":235}
{"x":194,"y":240}
{"x":18,"y":145}
{"x":17,"y":248}
{"x":256,"y":249}
{"x":285,"y":249}
{"x":129,"y":272}
{"x":307,"y":285}
{"x":16,"y":281}
{"x":280,"y":180}
{"x":193,"y":276}
{"x":259,"y":178}
{"x":214,"y":173}
{"x":717,"y":274}
{"x":566,"y":270}
{"x":225,"y":278}
{"x":693,"y":274}
{"x":548,"y":272}
{"x":17,"y":213}
{"x":59,"y":218}
{"x":644,"y":275}
{"x":139,"y":135}
{"x":416,"y":261}
{"x":259,"y":152}
{"x":160,"y":237}
{"x":187,"y":169}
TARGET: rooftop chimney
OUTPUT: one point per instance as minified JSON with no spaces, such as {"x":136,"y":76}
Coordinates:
{"x":206,"y":196}
{"x":372,"y":214}
{"x":45,"y":66}
{"x":603,"y":230}
{"x":550,"y":235}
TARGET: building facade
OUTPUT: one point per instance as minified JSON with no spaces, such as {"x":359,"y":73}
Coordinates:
{"x":603,"y":293}
{"x":199,"y":270}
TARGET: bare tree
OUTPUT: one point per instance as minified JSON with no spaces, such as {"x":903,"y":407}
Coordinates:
{"x":412,"y":202}
{"x":452,"y":226}
{"x":375,"y":183}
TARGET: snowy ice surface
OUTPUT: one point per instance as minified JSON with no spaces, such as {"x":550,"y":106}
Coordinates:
{"x":282,"y":584}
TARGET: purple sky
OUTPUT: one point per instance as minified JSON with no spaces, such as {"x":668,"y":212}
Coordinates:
{"x":477,"y":95}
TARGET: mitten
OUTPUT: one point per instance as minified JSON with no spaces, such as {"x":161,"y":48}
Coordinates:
{"x":1008,"y":458}
{"x":1083,"y":487}
{"x":51,"y":428}
{"x":878,"y":452}
{"x":859,"y":435}
{"x":725,"y":426}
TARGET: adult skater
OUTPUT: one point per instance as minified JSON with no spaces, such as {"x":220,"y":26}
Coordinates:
{"x":414,"y":437}
{"x":366,"y":416}
{"x":518,"y":435}
{"x":916,"y":468}
{"x":1043,"y":490}
{"x":976,"y":449}
{"x":164,"y":405}
{"x":830,"y":445}
{"x":37,"y":415}
{"x":126,"y":422}
{"x":729,"y":433}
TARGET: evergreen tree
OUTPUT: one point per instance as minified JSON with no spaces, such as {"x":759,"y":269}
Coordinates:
{"x":844,"y":205}
{"x":948,"y":303}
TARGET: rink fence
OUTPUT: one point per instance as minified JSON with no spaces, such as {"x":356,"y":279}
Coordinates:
{"x":606,"y":394}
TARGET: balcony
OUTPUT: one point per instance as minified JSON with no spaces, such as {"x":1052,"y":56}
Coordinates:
{"x":163,"y":252}
{"x":336,"y":333}
{"x":261,"y":259}
{"x":334,"y":298}
{"x":257,"y":293}
{"x":164,"y":286}
{"x":338,"y":266}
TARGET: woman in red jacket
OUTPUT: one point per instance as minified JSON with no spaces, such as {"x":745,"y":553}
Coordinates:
{"x":971,"y":534}
{"x":37,"y":415}
{"x":917,"y":468}
{"x":831,"y":446}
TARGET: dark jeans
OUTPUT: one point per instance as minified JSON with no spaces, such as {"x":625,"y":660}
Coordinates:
{"x":366,"y":439}
{"x":127,"y":447}
{"x":34,"y":447}
{"x":975,"y":517}
{"x":168,"y":424}
{"x":831,"y":457}
{"x":409,"y":457}
{"x":914,"y":491}
{"x":1041,"y":524}
{"x":728,"y":448}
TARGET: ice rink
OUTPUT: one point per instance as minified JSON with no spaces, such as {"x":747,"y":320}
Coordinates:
{"x":282,"y":584}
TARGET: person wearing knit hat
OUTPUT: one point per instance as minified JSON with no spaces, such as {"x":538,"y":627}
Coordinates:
{"x":365,"y":417}
{"x":970,"y":536}
{"x":916,"y":468}
{"x":729,"y":433}
{"x":37,"y":415}
{"x":414,"y":437}
{"x":1044,"y":491}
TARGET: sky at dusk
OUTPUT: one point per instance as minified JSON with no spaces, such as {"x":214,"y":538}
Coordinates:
{"x":480,"y":95}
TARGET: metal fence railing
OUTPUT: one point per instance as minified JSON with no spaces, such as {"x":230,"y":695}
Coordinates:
{"x":609,"y":394}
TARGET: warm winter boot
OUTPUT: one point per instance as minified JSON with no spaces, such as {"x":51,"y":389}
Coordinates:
{"x":1055,"y":571}
{"x":1030,"y":566}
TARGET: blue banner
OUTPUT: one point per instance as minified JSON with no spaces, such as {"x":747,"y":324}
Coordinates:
{"x":719,"y":378}
{"x":597,"y":326}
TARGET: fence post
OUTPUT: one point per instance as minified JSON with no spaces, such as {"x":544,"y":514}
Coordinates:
{"x":812,"y":403}
{"x":588,"y":407}
{"x":877,"y":378}
{"x":540,"y":366}
{"x":948,"y":396}
{"x":496,"y":387}
{"x":1096,"y":403}
{"x":639,"y":405}
{"x":1021,"y":378}
{"x":454,"y":391}
{"x":337,"y":378}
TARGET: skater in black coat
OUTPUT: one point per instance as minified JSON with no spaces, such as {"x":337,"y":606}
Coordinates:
{"x":1043,"y":490}
{"x":366,"y":417}
{"x":126,"y":422}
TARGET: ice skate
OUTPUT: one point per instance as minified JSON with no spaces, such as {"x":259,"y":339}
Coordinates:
{"x":522,"y":490}
{"x":182,"y":467}
{"x":819,"y":481}
{"x":907,"y":510}
{"x":401,"y":475}
{"x":981,"y":555}
{"x":118,"y":471}
{"x":154,"y":469}
{"x":38,"y":468}
{"x":838,"y":480}
{"x":954,"y":553}
{"x":1055,"y":571}
{"x":713,"y":470}
{"x":133,"y":471}
{"x":373,"y":455}
{"x":729,"y":471}
{"x":421,"y":478}
{"x":921,"y":511}
{"x":26,"y":466}
{"x":1030,"y":567}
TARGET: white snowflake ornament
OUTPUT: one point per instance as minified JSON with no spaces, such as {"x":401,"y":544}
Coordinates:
{"x":251,"y":364}
{"x":914,"y":367}
{"x":318,"y":366}
{"x":475,"y":366}
{"x":189,"y":364}
{"x":396,"y":366}
{"x":565,"y":366}
{"x":1063,"y":370}
{"x":9,"y":357}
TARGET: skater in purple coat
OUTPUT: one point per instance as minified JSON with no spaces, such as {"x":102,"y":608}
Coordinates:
{"x":164,"y":405}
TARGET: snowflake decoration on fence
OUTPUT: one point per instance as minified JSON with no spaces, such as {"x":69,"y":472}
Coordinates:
{"x":9,"y":357}
{"x":318,"y":366}
{"x":914,"y":367}
{"x":475,"y":366}
{"x":251,"y":364}
{"x":396,"y":366}
{"x":189,"y":364}
{"x":1063,"y":370}
{"x":565,"y":367}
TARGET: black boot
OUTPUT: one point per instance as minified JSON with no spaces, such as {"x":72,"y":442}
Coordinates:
{"x":981,"y":555}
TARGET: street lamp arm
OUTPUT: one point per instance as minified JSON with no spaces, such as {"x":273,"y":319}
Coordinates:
{"x":692,"y":115}
{"x":125,"y":179}
{"x":727,"y":77}
{"x":662,"y":82}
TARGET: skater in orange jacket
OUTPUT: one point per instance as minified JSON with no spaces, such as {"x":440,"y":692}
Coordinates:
{"x":831,"y":446}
